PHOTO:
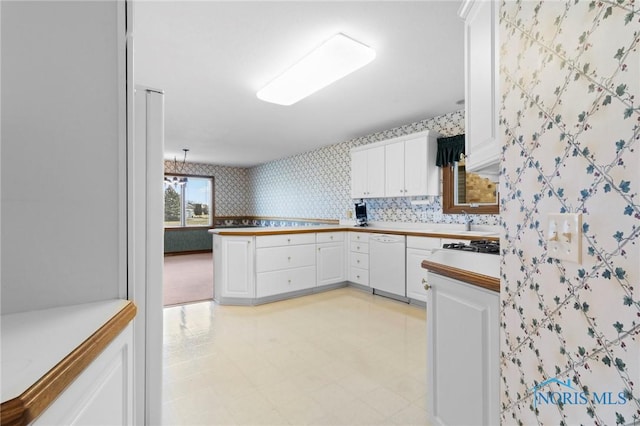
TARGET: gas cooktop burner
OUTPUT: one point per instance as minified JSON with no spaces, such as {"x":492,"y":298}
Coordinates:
{"x":479,"y":246}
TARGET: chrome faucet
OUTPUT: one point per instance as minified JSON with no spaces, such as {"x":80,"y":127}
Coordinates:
{"x":467,"y":221}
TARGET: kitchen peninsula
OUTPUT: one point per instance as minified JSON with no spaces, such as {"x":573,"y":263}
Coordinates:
{"x":261,"y":265}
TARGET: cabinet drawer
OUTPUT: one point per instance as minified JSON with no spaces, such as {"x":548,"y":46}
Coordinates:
{"x":359,"y":237}
{"x":360,"y":247}
{"x":275,"y":258}
{"x":329,"y":237}
{"x":285,"y":240}
{"x":359,"y":260}
{"x":278,"y":282}
{"x":359,"y":276}
{"x":424,"y":243}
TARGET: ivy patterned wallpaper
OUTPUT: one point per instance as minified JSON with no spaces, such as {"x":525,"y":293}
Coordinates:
{"x":316,"y":184}
{"x":570,"y":85}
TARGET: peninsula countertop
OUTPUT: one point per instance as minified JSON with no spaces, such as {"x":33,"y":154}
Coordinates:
{"x":437,"y":230}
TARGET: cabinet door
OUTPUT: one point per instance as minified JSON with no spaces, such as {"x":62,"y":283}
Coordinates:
{"x":358,"y":174}
{"x":234,"y":273}
{"x":415,"y":167}
{"x":394,"y":170}
{"x":462,"y":353}
{"x":481,"y":59}
{"x":331,"y":263}
{"x":102,"y":393}
{"x":375,"y":172}
{"x":416,"y":274}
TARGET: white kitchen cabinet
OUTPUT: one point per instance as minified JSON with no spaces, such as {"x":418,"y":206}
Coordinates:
{"x":331,"y":258}
{"x":234,"y":267}
{"x":482,"y":149}
{"x":102,"y":394}
{"x":410,"y":166}
{"x":462,"y":353}
{"x":285,"y":263}
{"x":367,"y":172}
{"x":359,"y":258}
{"x":419,"y":249}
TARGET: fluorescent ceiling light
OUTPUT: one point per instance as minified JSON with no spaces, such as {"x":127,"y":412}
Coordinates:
{"x":335,"y":58}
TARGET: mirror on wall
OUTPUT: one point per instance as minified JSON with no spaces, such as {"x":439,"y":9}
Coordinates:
{"x":468,"y":191}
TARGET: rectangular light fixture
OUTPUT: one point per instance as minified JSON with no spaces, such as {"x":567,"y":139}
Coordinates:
{"x":335,"y":58}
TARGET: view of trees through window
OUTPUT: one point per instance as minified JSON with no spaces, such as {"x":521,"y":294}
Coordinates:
{"x":189,"y":203}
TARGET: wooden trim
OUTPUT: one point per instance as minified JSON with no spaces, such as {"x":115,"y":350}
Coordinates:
{"x":473,"y":278}
{"x":448,"y":203}
{"x":31,"y":403}
{"x":256,"y":232}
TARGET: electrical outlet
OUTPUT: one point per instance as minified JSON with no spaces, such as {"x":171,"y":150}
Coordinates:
{"x":564,"y":236}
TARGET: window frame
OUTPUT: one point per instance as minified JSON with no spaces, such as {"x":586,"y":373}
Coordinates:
{"x":449,"y":205}
{"x":212,"y":210}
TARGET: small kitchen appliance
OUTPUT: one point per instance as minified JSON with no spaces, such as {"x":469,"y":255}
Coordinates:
{"x":361,"y":214}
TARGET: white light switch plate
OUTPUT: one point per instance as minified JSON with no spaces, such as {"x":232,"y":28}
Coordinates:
{"x":564,"y":236}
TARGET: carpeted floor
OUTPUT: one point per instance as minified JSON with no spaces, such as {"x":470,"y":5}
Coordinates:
{"x":188,"y":278}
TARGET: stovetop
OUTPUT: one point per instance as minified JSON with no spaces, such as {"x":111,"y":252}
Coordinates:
{"x":479,"y":246}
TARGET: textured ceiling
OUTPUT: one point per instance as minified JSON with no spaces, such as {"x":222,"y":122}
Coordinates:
{"x":210,"y":58}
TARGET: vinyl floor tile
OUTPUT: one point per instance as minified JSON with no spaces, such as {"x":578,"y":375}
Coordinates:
{"x":342,"y":357}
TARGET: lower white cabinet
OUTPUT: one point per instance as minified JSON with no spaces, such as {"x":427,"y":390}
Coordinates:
{"x":462,"y":353}
{"x":359,"y":258}
{"x":331,"y":259}
{"x":285,"y":281}
{"x":419,"y":249}
{"x":233,"y":267}
{"x":102,"y":394}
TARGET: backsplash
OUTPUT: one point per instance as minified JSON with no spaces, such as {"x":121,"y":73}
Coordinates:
{"x":570,"y":84}
{"x":316,"y":184}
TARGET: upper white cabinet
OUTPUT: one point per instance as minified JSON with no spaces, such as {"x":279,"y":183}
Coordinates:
{"x":410,"y":167}
{"x":481,"y":86}
{"x":367,"y":173}
{"x":398,"y":167}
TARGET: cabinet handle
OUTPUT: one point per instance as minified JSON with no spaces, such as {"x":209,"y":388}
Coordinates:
{"x":289,"y":258}
{"x":331,"y":237}
{"x":289,"y":281}
{"x":358,"y":247}
{"x":426,"y":286}
{"x":358,"y":261}
{"x":358,"y":276}
{"x":288,"y":240}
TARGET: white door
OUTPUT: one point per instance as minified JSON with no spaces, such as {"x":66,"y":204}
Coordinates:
{"x":416,"y":274}
{"x":462,"y":353}
{"x":330,"y":264}
{"x":415,"y":167}
{"x":375,"y":172}
{"x":394,"y":170}
{"x":358,"y":174}
{"x":236,"y":267}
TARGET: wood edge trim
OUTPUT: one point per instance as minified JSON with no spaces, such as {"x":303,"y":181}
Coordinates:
{"x":473,"y":278}
{"x":31,"y":403}
{"x":250,"y":233}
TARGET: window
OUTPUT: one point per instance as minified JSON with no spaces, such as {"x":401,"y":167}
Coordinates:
{"x":467,"y":191}
{"x":188,"y":201}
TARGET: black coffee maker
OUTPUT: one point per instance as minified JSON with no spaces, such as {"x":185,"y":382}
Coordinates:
{"x":361,"y":214}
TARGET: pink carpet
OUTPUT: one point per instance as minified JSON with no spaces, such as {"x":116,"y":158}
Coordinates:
{"x":188,"y":278}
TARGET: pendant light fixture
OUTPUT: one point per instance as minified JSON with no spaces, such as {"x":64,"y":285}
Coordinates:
{"x":334,"y":59}
{"x":175,"y":180}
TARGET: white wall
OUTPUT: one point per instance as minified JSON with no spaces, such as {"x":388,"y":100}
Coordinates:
{"x":62,"y":143}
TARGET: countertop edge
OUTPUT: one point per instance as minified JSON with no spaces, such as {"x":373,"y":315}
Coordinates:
{"x":473,"y":278}
{"x":250,"y":232}
{"x":33,"y":401}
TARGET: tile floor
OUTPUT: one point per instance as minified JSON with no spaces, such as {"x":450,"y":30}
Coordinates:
{"x":343,"y":357}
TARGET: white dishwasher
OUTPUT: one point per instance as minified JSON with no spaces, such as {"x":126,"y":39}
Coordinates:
{"x":387,"y":265}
